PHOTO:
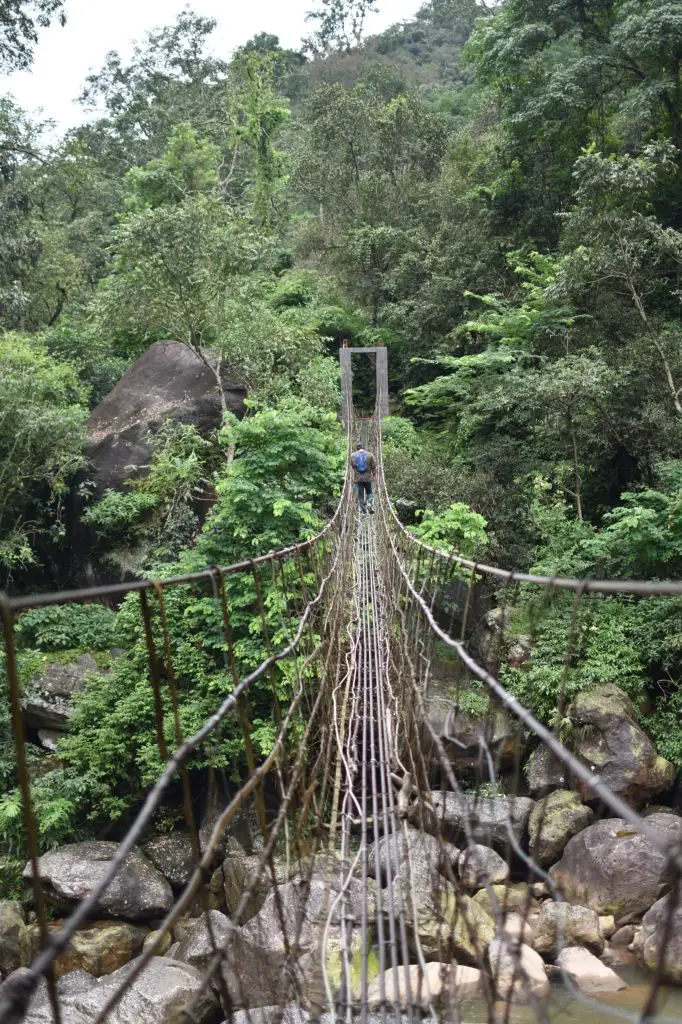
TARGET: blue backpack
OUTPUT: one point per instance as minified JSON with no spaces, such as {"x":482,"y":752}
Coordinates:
{"x":361,"y":462}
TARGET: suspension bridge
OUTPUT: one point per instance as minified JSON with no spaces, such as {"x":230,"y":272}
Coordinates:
{"x":392,"y":877}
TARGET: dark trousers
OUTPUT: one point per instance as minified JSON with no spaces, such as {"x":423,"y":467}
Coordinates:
{"x":364,"y":489}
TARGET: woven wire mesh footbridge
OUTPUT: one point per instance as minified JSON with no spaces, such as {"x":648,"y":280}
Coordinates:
{"x":392,"y":875}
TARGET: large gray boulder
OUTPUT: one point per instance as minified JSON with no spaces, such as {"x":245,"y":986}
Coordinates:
{"x":15,"y":944}
{"x":99,"y":948}
{"x":588,"y":973}
{"x":70,"y":989}
{"x":465,"y":737}
{"x":168,"y":382}
{"x":70,"y":873}
{"x":518,"y":972}
{"x":173,"y":856}
{"x":203,"y":938}
{"x":553,"y":821}
{"x":277,"y":944}
{"x":561,"y":924}
{"x":655,"y":939}
{"x":613,"y":869}
{"x":480,"y":865}
{"x":48,"y":703}
{"x":238,"y":875}
{"x":158,"y":996}
{"x":545,"y":772}
{"x":440,"y":920}
{"x":608,"y":739}
{"x":490,"y":819}
{"x":422,"y":847}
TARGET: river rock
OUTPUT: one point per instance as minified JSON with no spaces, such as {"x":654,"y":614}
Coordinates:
{"x":560,"y":924}
{"x":623,"y":936}
{"x":518,"y":971}
{"x":613,"y":869}
{"x":545,"y":772}
{"x":437,"y":985}
{"x":653,"y":936}
{"x":479,"y":865}
{"x":15,"y":944}
{"x":165,"y":943}
{"x":446,"y":923}
{"x":609,"y":740}
{"x":173,"y":856}
{"x":607,"y":925}
{"x":70,"y":873}
{"x":588,"y":973}
{"x":515,"y":926}
{"x":489,"y":818}
{"x":158,"y":996}
{"x":203,"y":938}
{"x":464,"y":736}
{"x":48,"y":703}
{"x":237,"y":874}
{"x":168,"y":382}
{"x":507,"y":898}
{"x":553,"y":821}
{"x":98,"y":949}
{"x":422,"y":847}
{"x":271,"y":1015}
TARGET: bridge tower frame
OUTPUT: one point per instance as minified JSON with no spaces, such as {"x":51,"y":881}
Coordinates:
{"x":346,"y":353}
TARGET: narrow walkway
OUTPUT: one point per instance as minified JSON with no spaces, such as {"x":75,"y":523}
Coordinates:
{"x":370,"y":806}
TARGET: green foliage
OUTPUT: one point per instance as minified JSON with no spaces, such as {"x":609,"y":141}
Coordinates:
{"x":41,"y":446}
{"x":20,"y":21}
{"x":188,"y":167}
{"x":458,"y":529}
{"x":119,"y":516}
{"x":287,"y":467}
{"x":67,"y":627}
{"x":340,"y":25}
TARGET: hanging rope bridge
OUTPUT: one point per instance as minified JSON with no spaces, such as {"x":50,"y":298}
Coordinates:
{"x":399,"y":869}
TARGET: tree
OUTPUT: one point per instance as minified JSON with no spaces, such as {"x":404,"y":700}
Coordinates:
{"x":619,"y":240}
{"x":170,"y":79}
{"x":340,"y":25}
{"x":19,"y":24}
{"x":41,"y":446}
{"x":258,"y":114}
{"x":171,"y":271}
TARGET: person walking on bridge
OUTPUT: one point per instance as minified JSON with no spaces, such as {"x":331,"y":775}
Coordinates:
{"x":364,"y":465}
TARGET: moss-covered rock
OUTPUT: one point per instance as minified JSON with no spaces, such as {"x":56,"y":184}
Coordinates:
{"x":608,"y":739}
{"x":509,"y":898}
{"x":15,"y":943}
{"x":654,"y":937}
{"x":553,"y":821}
{"x":99,"y":949}
{"x":561,"y":924}
{"x":613,"y":869}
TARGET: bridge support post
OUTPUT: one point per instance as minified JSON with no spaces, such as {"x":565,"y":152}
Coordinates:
{"x":345,"y":359}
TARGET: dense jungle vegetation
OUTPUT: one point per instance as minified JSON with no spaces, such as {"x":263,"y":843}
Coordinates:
{"x":493,"y":189}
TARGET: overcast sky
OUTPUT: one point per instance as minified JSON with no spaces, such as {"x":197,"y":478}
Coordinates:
{"x":64,"y":56}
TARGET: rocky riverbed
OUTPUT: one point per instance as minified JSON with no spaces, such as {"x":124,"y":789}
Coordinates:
{"x":483,"y":925}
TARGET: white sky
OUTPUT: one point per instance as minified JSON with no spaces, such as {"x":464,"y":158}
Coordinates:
{"x":65,"y":56}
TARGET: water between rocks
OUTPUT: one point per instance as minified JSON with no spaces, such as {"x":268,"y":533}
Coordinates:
{"x":590,"y":1009}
